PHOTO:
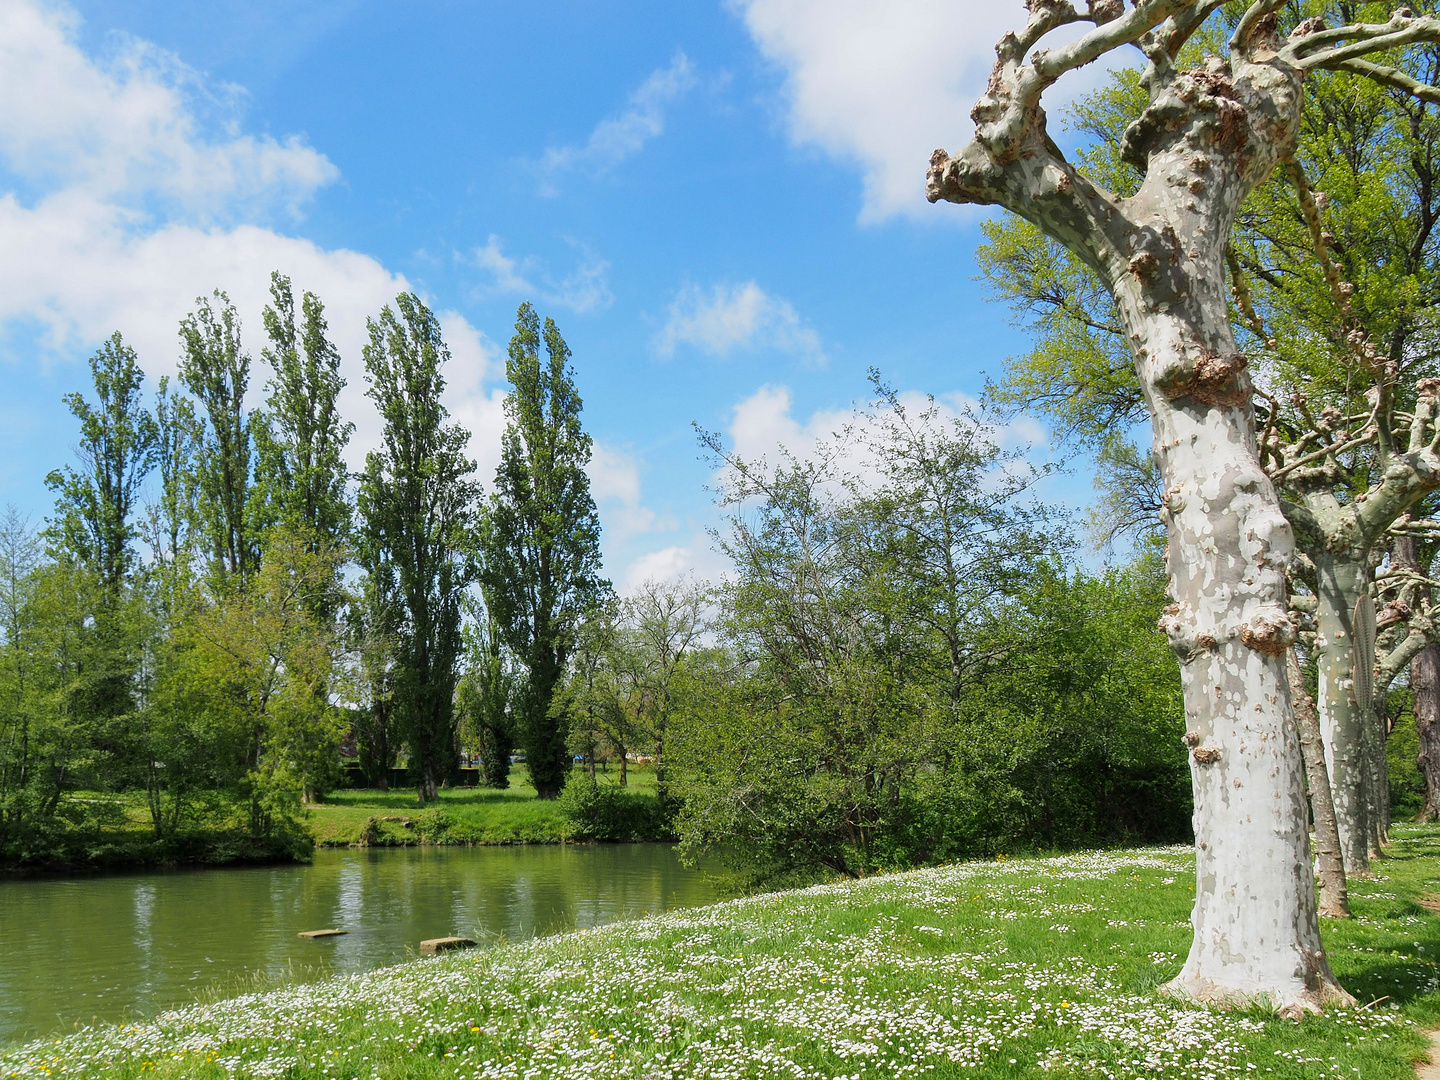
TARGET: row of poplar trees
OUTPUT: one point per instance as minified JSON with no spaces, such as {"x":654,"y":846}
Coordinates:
{"x":217,"y":604}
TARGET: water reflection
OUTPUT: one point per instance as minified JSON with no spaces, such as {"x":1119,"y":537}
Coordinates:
{"x":108,"y":948}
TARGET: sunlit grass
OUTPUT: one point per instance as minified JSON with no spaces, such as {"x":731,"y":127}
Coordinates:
{"x":471,"y":815}
{"x":1023,"y":968}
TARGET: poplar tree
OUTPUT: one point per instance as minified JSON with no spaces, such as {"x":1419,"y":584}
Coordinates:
{"x":540,"y":548}
{"x":417,"y":505}
{"x":117,"y":450}
{"x":301,"y":463}
{"x":216,"y":370}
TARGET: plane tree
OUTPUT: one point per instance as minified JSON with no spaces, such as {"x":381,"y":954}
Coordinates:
{"x":1207,"y":137}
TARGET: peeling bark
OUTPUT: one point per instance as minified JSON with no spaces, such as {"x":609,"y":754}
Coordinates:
{"x":1334,"y":897}
{"x":1208,"y":137}
{"x":1425,"y":686}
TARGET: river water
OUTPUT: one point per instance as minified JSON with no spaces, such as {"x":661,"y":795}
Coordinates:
{"x":109,"y":948}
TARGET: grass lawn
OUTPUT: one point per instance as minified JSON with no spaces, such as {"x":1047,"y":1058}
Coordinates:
{"x":462,"y":816}
{"x":1020,"y":968}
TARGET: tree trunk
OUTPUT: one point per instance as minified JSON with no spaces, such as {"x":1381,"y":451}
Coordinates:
{"x":1256,"y":933}
{"x":1425,"y":686}
{"x":1342,"y":726}
{"x":1206,"y":140}
{"x":1334,"y":898}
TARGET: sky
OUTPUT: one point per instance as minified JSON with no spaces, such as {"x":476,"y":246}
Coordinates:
{"x":720,"y":204}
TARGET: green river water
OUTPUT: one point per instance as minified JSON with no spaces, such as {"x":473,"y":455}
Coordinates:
{"x":84,"y":949}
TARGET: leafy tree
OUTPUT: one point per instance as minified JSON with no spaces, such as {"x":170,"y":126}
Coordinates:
{"x":540,"y":548}
{"x":20,"y":558}
{"x":663,"y":623}
{"x":486,"y":697}
{"x":257,"y":661}
{"x":216,"y":370}
{"x":300,"y":456}
{"x":417,"y":504}
{"x":174,"y":517}
{"x":117,"y":449}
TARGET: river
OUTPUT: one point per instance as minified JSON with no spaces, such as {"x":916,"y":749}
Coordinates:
{"x":108,"y":948}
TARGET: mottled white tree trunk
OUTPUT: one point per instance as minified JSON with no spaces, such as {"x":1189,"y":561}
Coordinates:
{"x":1340,"y":583}
{"x":1206,"y":139}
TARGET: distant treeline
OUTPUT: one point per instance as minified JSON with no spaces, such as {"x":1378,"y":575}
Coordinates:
{"x":901,"y":667}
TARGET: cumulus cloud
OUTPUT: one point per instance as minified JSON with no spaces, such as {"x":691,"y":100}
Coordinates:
{"x":126,"y":199}
{"x":131,"y":128}
{"x":764,"y":427}
{"x":696,"y":560}
{"x":615,"y":485}
{"x":618,"y":137}
{"x":743,"y":316}
{"x":881,"y":85}
{"x":585,"y":290}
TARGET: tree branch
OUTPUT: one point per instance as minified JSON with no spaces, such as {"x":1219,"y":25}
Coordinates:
{"x":1321,"y":49}
{"x":1388,"y":76}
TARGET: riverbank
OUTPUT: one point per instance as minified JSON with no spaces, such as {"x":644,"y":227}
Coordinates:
{"x":481,"y":816}
{"x":1023,"y":968}
{"x":462,"y":816}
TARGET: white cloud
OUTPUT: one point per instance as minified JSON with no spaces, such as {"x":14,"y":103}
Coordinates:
{"x":737,"y":316}
{"x":129,"y":130}
{"x":135,"y":205}
{"x":618,"y":137}
{"x":764,"y":427}
{"x":697,"y":560}
{"x":882,"y":85}
{"x":584,"y":291}
{"x":615,"y":485}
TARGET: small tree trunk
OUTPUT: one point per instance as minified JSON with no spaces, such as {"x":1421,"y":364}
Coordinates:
{"x":1425,"y":686}
{"x":1342,"y":726}
{"x":1334,"y":899}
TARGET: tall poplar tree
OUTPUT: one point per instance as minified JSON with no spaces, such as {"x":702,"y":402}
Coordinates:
{"x":216,"y":370}
{"x":117,"y":447}
{"x":540,"y":548}
{"x":417,"y":503}
{"x":300,"y":463}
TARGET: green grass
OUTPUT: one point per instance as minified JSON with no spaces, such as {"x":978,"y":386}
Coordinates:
{"x":462,"y":815}
{"x":1021,"y":968}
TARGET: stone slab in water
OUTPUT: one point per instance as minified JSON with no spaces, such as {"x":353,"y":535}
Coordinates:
{"x":445,"y":944}
{"x":322,"y":933}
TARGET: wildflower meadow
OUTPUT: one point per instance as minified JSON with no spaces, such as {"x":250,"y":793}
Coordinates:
{"x":1010,"y":968}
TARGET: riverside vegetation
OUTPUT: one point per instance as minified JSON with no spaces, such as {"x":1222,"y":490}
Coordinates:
{"x":1008,"y":968}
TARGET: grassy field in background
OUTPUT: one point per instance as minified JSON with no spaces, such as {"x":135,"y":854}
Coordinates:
{"x":1019,"y":968}
{"x":461,"y":816}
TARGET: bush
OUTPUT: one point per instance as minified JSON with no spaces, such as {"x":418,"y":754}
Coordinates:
{"x":603,"y":812}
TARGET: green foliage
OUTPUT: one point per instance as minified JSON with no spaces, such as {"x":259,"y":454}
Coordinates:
{"x":599,"y":811}
{"x":485,"y":698}
{"x":1407,"y":783}
{"x":907,"y":675}
{"x":540,"y":544}
{"x":416,"y":501}
{"x":301,"y":466}
{"x":175,"y":516}
{"x":216,"y":370}
{"x":117,"y":448}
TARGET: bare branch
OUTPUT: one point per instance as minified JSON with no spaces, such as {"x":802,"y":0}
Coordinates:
{"x":1388,"y":76}
{"x":1321,"y":49}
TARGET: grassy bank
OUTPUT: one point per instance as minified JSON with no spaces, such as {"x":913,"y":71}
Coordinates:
{"x":472,"y":815}
{"x":1023,"y":968}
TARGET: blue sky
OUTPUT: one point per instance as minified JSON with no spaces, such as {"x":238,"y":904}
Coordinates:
{"x":719,"y":203}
